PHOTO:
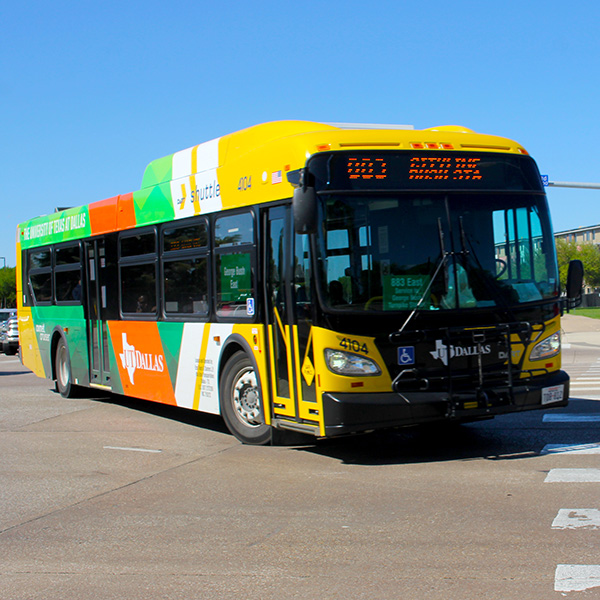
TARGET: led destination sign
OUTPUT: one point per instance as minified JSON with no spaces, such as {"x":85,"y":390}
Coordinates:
{"x":442,"y":168}
{"x":445,"y":168}
{"x":393,"y":170}
{"x":367,"y":168}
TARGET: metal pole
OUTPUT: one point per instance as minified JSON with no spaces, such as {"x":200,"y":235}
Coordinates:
{"x":4,"y":267}
{"x":574,"y":184}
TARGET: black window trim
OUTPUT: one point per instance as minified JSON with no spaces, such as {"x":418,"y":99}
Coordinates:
{"x":139,"y":260}
{"x":167,"y":256}
{"x":131,"y":233}
{"x":40,"y":271}
{"x":75,"y":266}
{"x":181,"y":223}
{"x":237,"y":249}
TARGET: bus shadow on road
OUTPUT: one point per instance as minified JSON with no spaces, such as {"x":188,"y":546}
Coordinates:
{"x":8,"y":373}
{"x":182,"y":415}
{"x":426,"y":444}
{"x":512,"y":437}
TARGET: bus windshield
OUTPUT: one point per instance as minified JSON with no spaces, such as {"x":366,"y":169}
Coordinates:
{"x":435,"y":250}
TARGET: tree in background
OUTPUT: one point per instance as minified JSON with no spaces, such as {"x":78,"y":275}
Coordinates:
{"x":587,"y":253}
{"x":8,"y":287}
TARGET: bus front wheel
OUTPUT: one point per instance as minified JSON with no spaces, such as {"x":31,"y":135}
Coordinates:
{"x":62,"y":366}
{"x":241,"y":401}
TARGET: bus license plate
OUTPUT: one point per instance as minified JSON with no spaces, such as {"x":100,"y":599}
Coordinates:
{"x":553,"y":394}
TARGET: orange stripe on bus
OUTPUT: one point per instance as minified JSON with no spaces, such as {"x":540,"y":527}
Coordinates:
{"x":126,"y":213}
{"x":103,"y":215}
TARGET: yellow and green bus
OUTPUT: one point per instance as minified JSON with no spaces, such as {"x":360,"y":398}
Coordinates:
{"x":317,"y":278}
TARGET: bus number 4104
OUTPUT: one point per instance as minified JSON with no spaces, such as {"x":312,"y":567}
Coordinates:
{"x":354,"y":345}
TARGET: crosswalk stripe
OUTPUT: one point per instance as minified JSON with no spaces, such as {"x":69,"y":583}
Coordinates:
{"x":576,"y":578}
{"x":577,"y":518}
{"x":570,"y":418}
{"x":586,"y":373}
{"x":585,"y":389}
{"x":571,"y":449}
{"x":573,"y":476}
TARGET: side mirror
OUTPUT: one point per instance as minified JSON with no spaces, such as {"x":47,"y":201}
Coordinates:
{"x":574,"y":280}
{"x":305,"y":210}
{"x":574,"y":284}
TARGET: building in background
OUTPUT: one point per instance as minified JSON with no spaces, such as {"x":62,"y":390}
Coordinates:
{"x":584,"y":235}
{"x":589,"y":234}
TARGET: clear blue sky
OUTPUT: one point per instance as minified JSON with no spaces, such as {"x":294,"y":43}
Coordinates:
{"x":90,"y":92}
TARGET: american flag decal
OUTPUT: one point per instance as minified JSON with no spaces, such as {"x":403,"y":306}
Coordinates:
{"x":276,"y":177}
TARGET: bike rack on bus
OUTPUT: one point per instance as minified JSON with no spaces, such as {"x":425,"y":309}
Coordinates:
{"x":483,"y":384}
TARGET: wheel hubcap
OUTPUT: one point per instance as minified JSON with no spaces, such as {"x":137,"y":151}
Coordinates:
{"x":246,"y":398}
{"x":63,"y":371}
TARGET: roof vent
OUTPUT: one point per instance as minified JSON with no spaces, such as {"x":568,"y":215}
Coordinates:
{"x":369,"y":126}
{"x":451,"y":129}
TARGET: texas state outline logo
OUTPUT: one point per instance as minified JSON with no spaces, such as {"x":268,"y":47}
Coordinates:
{"x":132,"y":359}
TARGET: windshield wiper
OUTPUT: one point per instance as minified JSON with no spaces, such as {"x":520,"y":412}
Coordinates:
{"x":442,"y":262}
{"x":463,"y":238}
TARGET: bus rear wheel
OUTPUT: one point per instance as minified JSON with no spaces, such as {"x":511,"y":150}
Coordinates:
{"x":241,"y":401}
{"x":62,"y":365}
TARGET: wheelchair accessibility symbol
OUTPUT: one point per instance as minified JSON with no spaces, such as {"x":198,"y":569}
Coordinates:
{"x":406,"y":355}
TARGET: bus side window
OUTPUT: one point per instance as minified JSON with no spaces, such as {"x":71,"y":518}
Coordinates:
{"x":67,"y":274}
{"x":234,"y":257}
{"x":186,"y":286}
{"x":39,"y":266}
{"x":302,"y":271}
{"x":185,"y":271}
{"x":137,"y":272}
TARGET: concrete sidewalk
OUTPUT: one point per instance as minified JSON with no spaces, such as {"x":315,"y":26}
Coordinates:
{"x":580,"y":330}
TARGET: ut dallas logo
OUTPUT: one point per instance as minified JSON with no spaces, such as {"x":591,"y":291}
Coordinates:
{"x":133,"y":359}
{"x":443,"y":352}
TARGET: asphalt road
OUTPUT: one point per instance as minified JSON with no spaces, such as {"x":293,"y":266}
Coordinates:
{"x":102,"y":499}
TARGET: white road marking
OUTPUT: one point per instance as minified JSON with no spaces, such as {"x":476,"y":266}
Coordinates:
{"x":573,"y":476}
{"x":576,"y":578}
{"x":589,"y":374}
{"x":585,"y":385}
{"x":571,"y":449}
{"x":577,"y":518}
{"x":570,"y":418}
{"x":131,"y":449}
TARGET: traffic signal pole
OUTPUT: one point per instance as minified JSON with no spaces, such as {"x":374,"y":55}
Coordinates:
{"x":574,"y":184}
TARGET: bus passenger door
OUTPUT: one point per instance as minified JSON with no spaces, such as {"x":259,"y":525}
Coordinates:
{"x":293,"y":398}
{"x":95,"y":252}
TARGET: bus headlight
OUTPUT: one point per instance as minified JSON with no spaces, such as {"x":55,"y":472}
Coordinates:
{"x":353,"y":365}
{"x":547,"y":348}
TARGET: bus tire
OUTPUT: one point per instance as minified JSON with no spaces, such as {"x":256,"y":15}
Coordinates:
{"x":241,"y":401}
{"x":62,"y":366}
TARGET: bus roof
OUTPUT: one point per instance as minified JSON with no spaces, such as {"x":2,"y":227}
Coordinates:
{"x":240,"y":169}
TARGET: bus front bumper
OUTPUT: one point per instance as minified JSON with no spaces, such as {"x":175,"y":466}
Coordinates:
{"x":351,"y":413}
